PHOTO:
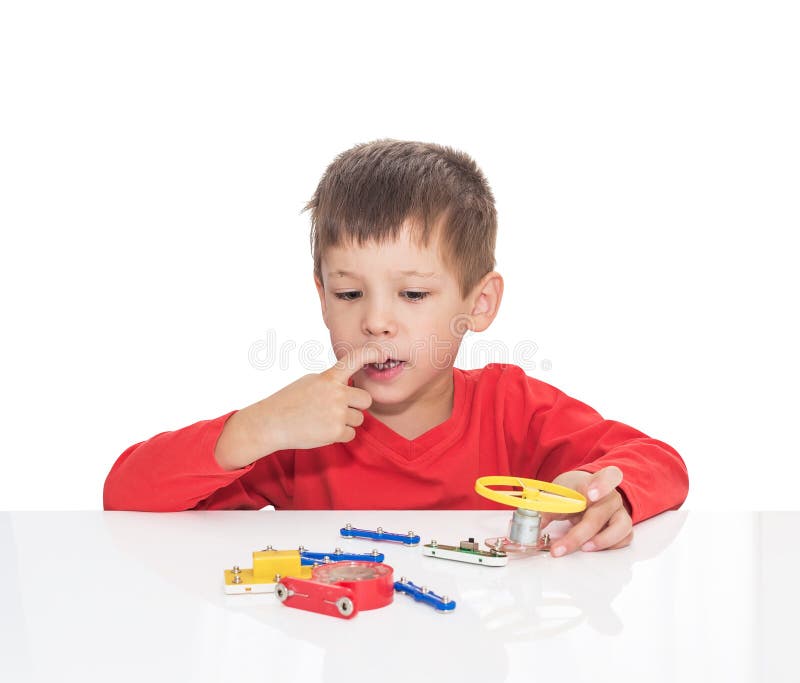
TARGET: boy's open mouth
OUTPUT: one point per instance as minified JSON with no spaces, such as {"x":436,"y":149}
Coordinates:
{"x":390,"y":363}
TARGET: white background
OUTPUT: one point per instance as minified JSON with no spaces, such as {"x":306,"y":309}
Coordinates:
{"x":155,"y":156}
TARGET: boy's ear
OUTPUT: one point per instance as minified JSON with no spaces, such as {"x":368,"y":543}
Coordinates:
{"x":486,"y":298}
{"x":321,"y":292}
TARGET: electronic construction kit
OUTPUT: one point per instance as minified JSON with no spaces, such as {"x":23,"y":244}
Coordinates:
{"x":341,"y":584}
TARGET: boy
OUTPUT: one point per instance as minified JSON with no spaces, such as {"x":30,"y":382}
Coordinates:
{"x":403,"y":238}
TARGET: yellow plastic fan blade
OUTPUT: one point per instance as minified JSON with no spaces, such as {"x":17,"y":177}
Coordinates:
{"x":531,"y":494}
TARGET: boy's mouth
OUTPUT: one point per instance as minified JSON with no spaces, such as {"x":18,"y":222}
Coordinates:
{"x":385,"y":371}
{"x":390,"y":363}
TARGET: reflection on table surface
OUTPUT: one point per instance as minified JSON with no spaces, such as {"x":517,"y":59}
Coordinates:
{"x":699,"y":596}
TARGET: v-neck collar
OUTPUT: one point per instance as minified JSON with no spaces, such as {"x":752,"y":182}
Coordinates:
{"x":429,"y":443}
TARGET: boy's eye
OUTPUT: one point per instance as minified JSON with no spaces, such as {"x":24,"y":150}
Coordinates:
{"x":348,"y":296}
{"x":409,"y":295}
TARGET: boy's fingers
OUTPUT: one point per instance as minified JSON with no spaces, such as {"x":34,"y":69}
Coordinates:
{"x":355,"y":359}
{"x":359,"y":399}
{"x":620,"y":527}
{"x":623,"y":543}
{"x":348,"y":434}
{"x":594,"y":519}
{"x":355,"y":418}
{"x":603,"y":482}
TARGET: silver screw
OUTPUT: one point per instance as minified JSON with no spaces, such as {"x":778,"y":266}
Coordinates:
{"x":345,"y":606}
{"x":434,"y":543}
{"x":236,"y":569}
{"x":380,"y":529}
{"x":237,"y":579}
{"x":348,"y":526}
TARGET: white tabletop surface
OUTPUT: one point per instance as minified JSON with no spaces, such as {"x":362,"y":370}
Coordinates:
{"x":115,"y":596}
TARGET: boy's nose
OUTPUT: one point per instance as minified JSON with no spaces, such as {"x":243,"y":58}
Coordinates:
{"x":379,"y":324}
{"x":379,"y":330}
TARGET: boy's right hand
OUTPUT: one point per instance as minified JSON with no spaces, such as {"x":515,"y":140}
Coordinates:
{"x":316,"y":410}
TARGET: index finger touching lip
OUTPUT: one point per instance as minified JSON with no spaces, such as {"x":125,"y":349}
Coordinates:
{"x":355,"y":359}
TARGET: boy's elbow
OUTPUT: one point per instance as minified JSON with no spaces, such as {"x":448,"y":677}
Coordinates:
{"x":124,"y":492}
{"x":681,"y":474}
{"x":683,"y":479}
{"x":111,"y":491}
{"x":116,"y":496}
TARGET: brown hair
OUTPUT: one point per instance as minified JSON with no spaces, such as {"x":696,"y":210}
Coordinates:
{"x":369,"y":191}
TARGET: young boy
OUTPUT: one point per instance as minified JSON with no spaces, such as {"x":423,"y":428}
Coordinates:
{"x":403,"y":238}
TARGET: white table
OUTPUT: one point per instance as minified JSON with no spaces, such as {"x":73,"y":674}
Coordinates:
{"x":93,"y":596}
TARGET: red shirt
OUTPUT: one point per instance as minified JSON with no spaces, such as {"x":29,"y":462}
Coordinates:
{"x":503,"y":423}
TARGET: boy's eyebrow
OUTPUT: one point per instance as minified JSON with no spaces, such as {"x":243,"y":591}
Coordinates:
{"x":347,"y":273}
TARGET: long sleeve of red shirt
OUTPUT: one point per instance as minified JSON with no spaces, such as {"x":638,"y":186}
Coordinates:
{"x":503,"y":423}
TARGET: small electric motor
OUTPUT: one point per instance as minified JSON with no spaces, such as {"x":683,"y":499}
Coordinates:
{"x":529,"y":497}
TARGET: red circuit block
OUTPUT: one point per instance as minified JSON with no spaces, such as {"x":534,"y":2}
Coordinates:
{"x":372,"y":584}
{"x":340,"y":589}
{"x":323,"y":598}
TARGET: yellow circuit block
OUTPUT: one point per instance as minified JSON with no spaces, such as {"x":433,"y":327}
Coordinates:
{"x":267,"y":564}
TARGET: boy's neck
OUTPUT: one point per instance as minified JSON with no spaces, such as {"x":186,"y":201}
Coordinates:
{"x":419,"y":414}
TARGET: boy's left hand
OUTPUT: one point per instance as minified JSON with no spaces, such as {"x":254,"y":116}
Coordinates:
{"x":605,"y":523}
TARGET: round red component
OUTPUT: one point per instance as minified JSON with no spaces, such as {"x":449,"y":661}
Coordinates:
{"x":372,"y":583}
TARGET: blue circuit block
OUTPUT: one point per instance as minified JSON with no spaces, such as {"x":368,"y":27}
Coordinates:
{"x":380,"y":535}
{"x":309,"y":558}
{"x":422,"y":594}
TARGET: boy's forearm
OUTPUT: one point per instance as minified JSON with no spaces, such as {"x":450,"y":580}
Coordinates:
{"x":247,"y":437}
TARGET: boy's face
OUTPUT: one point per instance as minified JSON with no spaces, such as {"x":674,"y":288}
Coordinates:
{"x":402,"y":298}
